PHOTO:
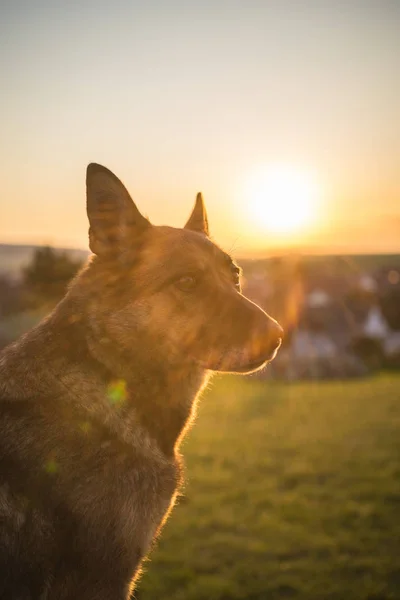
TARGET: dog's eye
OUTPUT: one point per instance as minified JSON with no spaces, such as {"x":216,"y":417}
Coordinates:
{"x":186,"y":283}
{"x":236,"y":271}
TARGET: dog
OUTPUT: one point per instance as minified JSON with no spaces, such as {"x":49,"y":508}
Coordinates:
{"x":95,"y":400}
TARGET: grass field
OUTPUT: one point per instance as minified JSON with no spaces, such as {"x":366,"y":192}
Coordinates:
{"x":292,"y":491}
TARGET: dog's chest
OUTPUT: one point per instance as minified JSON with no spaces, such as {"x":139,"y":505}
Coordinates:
{"x":124,"y":501}
{"x":145,"y":499}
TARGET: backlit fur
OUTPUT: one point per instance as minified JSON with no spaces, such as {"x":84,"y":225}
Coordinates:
{"x":95,"y":400}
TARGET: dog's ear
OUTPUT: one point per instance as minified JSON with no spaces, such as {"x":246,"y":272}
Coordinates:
{"x":114,"y":219}
{"x":198,"y":219}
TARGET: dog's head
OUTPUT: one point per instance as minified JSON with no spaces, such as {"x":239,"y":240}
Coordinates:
{"x":173,"y":290}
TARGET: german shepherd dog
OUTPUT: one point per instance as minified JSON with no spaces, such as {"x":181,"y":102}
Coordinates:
{"x":95,"y":400}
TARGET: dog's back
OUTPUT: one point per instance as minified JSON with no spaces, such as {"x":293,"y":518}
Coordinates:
{"x":95,"y":400}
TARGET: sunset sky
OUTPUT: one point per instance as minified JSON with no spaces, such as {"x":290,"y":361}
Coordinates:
{"x":177,"y":97}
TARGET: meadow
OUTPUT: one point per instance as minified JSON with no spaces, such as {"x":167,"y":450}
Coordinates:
{"x":292,"y":491}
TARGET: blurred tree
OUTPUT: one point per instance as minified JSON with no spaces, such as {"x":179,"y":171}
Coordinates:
{"x":10,"y":296}
{"x":48,"y":274}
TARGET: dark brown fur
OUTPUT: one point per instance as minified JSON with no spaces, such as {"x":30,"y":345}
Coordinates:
{"x":95,"y":400}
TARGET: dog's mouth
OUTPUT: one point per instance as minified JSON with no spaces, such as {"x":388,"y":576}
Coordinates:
{"x":258,"y":364}
{"x":222,"y":365}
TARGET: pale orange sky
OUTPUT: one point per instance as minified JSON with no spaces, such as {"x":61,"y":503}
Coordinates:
{"x":183,"y":96}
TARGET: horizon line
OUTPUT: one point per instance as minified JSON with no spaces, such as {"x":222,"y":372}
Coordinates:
{"x":246,"y":255}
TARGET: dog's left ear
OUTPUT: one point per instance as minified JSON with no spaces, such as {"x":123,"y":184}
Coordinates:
{"x":198,"y":219}
{"x":115,"y":222}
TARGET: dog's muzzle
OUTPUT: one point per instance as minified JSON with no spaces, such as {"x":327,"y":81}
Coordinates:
{"x":267,"y":350}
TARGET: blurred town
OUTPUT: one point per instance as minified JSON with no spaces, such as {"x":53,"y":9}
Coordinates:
{"x":341,"y":315}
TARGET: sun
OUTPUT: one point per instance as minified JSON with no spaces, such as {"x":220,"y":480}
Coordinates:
{"x":282,"y":199}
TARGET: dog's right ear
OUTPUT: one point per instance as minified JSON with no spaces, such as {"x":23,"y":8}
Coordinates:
{"x":198,"y":219}
{"x":114,"y":219}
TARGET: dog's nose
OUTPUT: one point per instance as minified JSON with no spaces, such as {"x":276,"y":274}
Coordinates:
{"x":274,"y":337}
{"x":277,"y":330}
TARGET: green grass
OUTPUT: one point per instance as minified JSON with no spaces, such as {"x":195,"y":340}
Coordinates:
{"x":292,"y":491}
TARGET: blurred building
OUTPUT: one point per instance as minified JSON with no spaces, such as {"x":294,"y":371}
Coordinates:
{"x":338,"y":322}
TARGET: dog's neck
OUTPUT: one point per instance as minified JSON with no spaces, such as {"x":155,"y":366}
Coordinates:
{"x":156,"y":395}
{"x":130,"y":393}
